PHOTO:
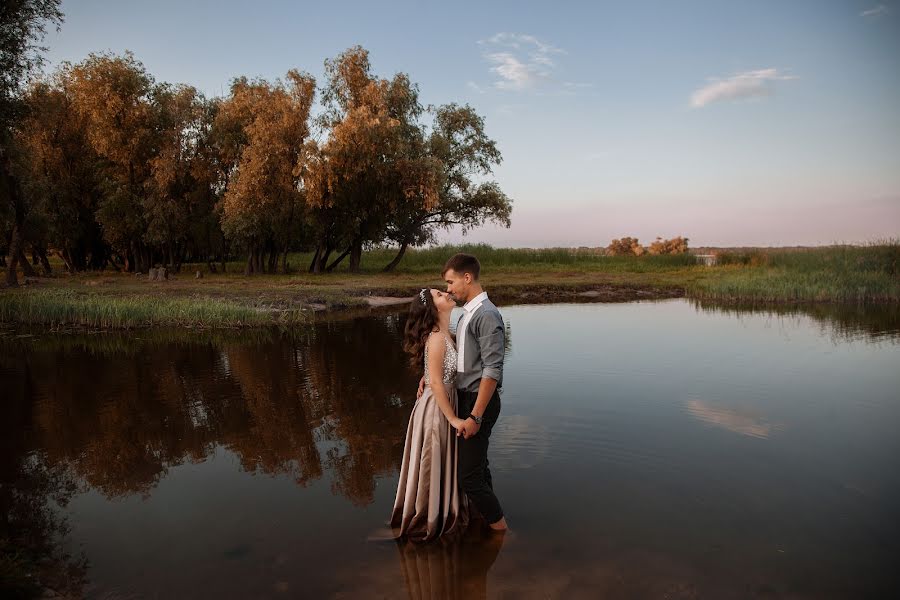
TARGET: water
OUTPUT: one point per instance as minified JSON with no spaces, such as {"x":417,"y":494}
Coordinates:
{"x":657,"y":449}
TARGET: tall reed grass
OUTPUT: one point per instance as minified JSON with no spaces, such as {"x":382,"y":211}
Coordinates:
{"x":432,"y":260}
{"x":831,"y":274}
{"x":65,"y":307}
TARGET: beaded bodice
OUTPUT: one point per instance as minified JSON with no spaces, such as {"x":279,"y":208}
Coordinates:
{"x":449,"y":361}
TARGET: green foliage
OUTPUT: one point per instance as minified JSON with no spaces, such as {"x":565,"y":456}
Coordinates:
{"x":833,"y":274}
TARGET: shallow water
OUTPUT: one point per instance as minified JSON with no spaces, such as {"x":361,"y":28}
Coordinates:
{"x":644,"y":449}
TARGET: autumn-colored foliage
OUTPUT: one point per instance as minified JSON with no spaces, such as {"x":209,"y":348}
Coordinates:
{"x":625,"y":246}
{"x":121,"y":170}
{"x":629,"y":246}
{"x":677,"y":245}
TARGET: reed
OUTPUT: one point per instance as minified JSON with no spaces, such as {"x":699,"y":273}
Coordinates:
{"x":431,"y":260}
{"x":850,"y":274}
{"x":66,"y":307}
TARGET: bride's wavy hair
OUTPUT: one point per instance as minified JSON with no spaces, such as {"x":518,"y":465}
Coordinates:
{"x":421,"y":321}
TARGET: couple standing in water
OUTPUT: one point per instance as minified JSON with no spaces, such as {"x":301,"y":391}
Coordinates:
{"x":445,"y":471}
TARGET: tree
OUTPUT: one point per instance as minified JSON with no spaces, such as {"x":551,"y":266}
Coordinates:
{"x":463,"y":151}
{"x":23,"y":25}
{"x":373,"y":163}
{"x":179,"y":186}
{"x":116,"y":95}
{"x":58,"y":166}
{"x":264,"y":200}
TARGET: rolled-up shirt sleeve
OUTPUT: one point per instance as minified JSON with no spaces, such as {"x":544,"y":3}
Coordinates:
{"x":491,"y":338}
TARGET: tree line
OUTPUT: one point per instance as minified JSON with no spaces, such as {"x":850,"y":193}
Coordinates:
{"x":103,"y":166}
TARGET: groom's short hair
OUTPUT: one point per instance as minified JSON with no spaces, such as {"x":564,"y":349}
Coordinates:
{"x":463,"y":263}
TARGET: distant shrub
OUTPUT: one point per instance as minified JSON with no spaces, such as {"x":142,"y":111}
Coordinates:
{"x":678,"y":245}
{"x":625,"y":246}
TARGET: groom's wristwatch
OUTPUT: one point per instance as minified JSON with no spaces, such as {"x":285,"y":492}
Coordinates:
{"x":477,"y":420}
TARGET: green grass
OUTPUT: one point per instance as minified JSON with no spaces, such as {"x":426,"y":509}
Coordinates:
{"x":66,"y":307}
{"x":833,"y":274}
{"x":431,"y":260}
{"x":837,"y":274}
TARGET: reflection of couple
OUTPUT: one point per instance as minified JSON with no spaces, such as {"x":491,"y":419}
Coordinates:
{"x":445,"y":466}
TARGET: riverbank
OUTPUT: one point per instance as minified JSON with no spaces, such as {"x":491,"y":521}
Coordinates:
{"x":111,"y":300}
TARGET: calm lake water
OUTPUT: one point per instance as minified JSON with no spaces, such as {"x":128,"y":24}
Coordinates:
{"x":653,"y":449}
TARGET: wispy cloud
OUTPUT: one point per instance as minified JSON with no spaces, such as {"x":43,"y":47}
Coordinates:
{"x":474,"y":87}
{"x":519,"y":61}
{"x":749,"y":84}
{"x":875,"y":11}
{"x":732,"y":419}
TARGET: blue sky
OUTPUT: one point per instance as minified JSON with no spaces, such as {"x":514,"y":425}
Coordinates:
{"x":732,"y":123}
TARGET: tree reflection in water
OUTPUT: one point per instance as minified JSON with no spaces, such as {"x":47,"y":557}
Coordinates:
{"x":120,"y":420}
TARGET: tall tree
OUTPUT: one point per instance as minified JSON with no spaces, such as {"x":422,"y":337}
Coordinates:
{"x":264,"y":199}
{"x":464,"y":153}
{"x":179,"y":184}
{"x":372,"y":162}
{"x":23,"y":24}
{"x":58,"y":168}
{"x":116,"y":95}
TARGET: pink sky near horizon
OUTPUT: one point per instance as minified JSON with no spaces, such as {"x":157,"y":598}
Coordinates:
{"x":784,"y":224}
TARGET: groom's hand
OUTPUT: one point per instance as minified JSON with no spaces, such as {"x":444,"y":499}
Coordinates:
{"x":470,"y":428}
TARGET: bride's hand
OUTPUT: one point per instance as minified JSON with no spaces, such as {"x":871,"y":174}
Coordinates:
{"x":421,"y":389}
{"x":458,"y":425}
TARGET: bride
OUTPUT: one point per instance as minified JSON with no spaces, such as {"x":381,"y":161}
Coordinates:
{"x":429,"y":501}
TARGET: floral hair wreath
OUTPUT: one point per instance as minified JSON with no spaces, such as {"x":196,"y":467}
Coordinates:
{"x":422,"y":295}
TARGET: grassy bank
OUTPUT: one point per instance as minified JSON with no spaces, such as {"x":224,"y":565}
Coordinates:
{"x":856,"y":274}
{"x":866,"y":274}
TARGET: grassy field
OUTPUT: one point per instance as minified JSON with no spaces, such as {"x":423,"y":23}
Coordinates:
{"x":111,"y":300}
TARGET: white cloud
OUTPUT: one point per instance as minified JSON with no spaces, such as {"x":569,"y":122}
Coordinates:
{"x":519,"y":61}
{"x":474,"y":87}
{"x":749,"y":84}
{"x":875,"y":11}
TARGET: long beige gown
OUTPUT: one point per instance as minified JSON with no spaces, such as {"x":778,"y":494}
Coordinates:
{"x":429,"y":502}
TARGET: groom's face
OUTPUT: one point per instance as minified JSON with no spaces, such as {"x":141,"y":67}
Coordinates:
{"x":458,"y":285}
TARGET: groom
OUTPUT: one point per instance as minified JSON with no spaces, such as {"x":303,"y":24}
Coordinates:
{"x":480,"y":340}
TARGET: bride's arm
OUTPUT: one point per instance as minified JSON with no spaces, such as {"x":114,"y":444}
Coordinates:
{"x":436,"y":351}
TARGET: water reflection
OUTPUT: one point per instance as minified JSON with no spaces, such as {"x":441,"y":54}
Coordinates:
{"x":450,"y":569}
{"x":843,"y":322}
{"x":731,"y":419}
{"x":119,"y":418}
{"x":629,"y":454}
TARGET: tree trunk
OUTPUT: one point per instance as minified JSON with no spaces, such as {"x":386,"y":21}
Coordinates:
{"x":68,"y":263}
{"x":338,"y":260}
{"x":273,"y":260}
{"x":27,"y":269}
{"x":314,"y":265}
{"x":15,"y":250}
{"x":248,"y":270}
{"x":391,"y":265}
{"x":15,"y":244}
{"x":45,"y":262}
{"x":284,"y":265}
{"x":323,"y":260}
{"x":257,"y":261}
{"x":355,"y":255}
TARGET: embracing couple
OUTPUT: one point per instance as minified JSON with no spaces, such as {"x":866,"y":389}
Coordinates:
{"x":445,"y":467}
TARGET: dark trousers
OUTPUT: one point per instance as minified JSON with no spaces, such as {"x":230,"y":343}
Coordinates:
{"x":472,"y":463}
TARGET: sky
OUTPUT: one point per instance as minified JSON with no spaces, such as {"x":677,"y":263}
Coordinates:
{"x":731,"y":123}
